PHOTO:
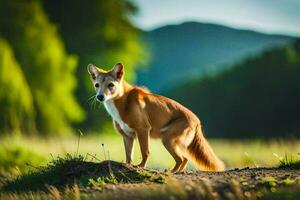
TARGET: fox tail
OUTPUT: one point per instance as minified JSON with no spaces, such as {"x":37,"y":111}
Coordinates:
{"x":202,"y":154}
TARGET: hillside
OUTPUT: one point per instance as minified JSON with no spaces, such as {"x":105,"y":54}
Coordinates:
{"x":257,"y":98}
{"x":192,"y":49}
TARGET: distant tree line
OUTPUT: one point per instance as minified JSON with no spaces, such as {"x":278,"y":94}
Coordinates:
{"x":259,"y":97}
{"x":45,"y":47}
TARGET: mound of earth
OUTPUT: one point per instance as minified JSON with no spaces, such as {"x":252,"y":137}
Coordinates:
{"x":65,"y":172}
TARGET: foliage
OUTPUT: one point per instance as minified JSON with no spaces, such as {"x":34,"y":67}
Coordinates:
{"x":15,"y":160}
{"x":99,"y":32}
{"x":17,"y":113}
{"x":48,"y":69}
{"x":35,"y":36}
{"x":257,"y":98}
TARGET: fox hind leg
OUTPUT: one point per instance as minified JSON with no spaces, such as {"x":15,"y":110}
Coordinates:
{"x":174,"y":138}
{"x":174,"y":150}
{"x":183,"y":164}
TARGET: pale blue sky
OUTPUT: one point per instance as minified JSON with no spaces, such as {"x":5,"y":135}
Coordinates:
{"x":270,"y":16}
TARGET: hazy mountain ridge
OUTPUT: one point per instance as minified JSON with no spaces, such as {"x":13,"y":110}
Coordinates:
{"x":191,"y":49}
{"x":258,"y":97}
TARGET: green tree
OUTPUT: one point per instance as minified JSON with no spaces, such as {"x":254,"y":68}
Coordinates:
{"x":99,"y":32}
{"x":48,"y":69}
{"x":16,"y":103}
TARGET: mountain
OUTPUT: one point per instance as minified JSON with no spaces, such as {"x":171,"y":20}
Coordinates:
{"x":191,"y":49}
{"x":258,"y":97}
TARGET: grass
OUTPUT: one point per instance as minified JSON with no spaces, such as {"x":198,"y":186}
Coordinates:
{"x":171,"y":190}
{"x":53,"y":193}
{"x":66,"y":172}
{"x":76,"y":177}
{"x":268,"y":182}
{"x":60,"y":157}
{"x":235,"y":153}
{"x":283,"y":194}
{"x":17,"y":159}
{"x":290,"y":162}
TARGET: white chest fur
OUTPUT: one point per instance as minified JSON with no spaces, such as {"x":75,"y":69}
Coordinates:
{"x":114,"y":113}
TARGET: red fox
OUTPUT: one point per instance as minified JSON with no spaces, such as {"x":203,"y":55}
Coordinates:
{"x":138,"y":113}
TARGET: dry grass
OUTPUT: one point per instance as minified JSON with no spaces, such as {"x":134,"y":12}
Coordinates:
{"x":171,"y":190}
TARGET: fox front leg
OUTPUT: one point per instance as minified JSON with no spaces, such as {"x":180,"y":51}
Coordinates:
{"x":128,"y":143}
{"x":143,"y":136}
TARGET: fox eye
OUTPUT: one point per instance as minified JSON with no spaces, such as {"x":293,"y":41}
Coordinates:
{"x":110,"y":85}
{"x":97,"y":85}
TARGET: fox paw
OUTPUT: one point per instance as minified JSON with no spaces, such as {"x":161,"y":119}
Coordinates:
{"x":139,"y":166}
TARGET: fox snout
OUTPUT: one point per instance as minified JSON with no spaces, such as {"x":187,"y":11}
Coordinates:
{"x":100,"y":97}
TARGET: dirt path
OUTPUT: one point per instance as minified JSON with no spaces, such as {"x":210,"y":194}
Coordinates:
{"x":233,"y":184}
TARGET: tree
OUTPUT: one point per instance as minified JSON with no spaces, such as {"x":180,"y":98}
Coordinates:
{"x":16,"y":103}
{"x":48,"y":69}
{"x":256,"y":98}
{"x":99,"y":32}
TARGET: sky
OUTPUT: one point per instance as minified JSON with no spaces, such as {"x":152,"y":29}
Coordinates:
{"x":268,"y":16}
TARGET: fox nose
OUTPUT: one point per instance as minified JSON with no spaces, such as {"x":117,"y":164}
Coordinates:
{"x":100,"y":97}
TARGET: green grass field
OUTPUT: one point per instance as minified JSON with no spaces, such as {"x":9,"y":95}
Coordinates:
{"x":20,"y":153}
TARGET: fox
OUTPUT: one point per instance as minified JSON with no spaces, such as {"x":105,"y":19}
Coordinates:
{"x":138,"y":113}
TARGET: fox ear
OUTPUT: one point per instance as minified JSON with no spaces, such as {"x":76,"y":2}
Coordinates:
{"x":118,"y":71}
{"x":93,"y":71}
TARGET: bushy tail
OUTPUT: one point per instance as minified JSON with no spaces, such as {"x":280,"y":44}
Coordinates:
{"x":203,"y":155}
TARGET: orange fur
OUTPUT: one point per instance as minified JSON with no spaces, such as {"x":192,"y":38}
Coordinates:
{"x":138,"y":113}
{"x":202,"y":154}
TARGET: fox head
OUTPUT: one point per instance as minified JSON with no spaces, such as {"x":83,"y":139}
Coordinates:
{"x":108,"y":84}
